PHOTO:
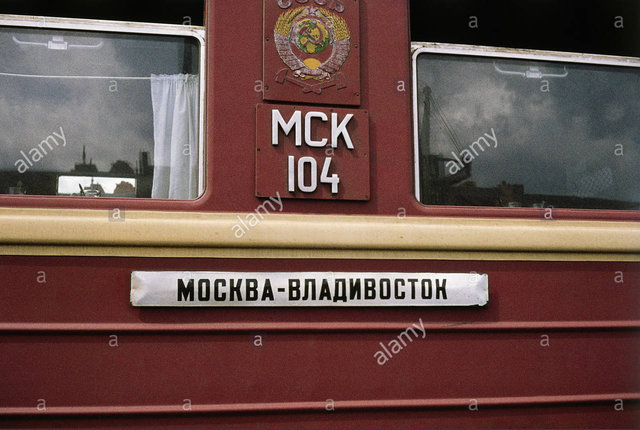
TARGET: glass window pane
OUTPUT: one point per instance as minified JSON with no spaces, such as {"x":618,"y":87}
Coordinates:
{"x":524,"y":133}
{"x":102,"y":106}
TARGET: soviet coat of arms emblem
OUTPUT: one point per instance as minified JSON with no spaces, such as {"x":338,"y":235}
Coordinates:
{"x":314,"y":43}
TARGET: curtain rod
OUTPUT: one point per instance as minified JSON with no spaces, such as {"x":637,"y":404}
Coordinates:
{"x":130,"y":78}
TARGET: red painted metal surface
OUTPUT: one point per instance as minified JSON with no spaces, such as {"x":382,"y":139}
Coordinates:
{"x":559,"y":340}
{"x":96,"y":291}
{"x":557,"y":346}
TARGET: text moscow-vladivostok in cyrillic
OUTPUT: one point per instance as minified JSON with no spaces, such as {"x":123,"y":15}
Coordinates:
{"x":223,"y":288}
{"x":336,"y":290}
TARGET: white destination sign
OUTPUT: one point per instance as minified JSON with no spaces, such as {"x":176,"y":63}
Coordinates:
{"x":299,"y":289}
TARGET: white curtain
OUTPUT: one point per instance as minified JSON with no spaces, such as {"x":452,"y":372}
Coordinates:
{"x":175,"y":130}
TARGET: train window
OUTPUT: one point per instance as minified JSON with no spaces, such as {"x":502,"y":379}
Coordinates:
{"x":496,"y":127}
{"x":101,"y":109}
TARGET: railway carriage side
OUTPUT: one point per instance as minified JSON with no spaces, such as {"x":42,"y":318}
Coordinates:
{"x":299,"y":214}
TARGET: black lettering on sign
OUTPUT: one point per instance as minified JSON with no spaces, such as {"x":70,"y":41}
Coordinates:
{"x":385,"y":288}
{"x":309,"y":285}
{"x":235,"y":290}
{"x":204,"y":290}
{"x":218,"y":284}
{"x":267,"y":293}
{"x":369,"y":289}
{"x":294,"y":289}
{"x":412,"y":282}
{"x":325,"y":292}
{"x":427,"y":285}
{"x":185,"y":292}
{"x":355,"y":293}
{"x":399,"y":295}
{"x":441,"y":289}
{"x":252,"y":290}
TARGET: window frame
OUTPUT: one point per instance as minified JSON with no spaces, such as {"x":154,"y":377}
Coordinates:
{"x":418,"y":48}
{"x":130,"y":27}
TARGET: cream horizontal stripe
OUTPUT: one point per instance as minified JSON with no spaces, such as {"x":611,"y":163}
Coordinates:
{"x":371,"y":233}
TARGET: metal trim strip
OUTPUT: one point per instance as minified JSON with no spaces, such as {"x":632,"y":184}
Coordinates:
{"x":342,"y":405}
{"x":293,"y":253}
{"x":296,"y":326}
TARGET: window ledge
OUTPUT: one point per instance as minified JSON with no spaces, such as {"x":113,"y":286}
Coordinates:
{"x":45,"y":227}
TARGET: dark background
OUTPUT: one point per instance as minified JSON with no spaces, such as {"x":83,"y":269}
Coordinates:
{"x":161,"y":11}
{"x":558,"y":25}
{"x":561,"y":25}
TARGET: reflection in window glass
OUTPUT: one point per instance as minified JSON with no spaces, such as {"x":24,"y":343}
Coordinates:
{"x":119,"y":112}
{"x":522,"y":133}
